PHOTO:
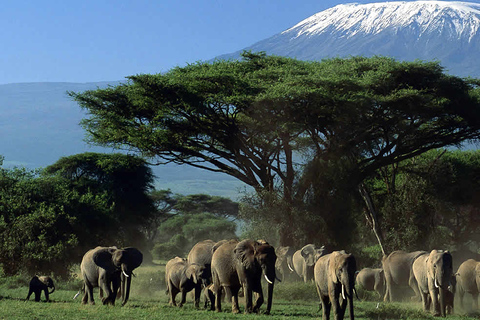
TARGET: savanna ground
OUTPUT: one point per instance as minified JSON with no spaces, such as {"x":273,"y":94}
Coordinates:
{"x":292,"y":300}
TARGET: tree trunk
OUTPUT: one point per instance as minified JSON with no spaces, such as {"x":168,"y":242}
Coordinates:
{"x":371,"y":214}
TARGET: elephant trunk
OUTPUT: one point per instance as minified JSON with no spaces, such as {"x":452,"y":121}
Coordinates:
{"x":53,"y":289}
{"x":270,"y":276}
{"x":443,"y":306}
{"x":269,"y":297}
{"x":126,"y":282}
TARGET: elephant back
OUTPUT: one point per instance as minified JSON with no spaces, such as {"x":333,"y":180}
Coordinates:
{"x":201,"y":253}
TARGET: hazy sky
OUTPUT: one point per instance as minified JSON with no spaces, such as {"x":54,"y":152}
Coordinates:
{"x":104,"y":40}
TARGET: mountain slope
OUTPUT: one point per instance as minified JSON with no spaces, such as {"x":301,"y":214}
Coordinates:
{"x":426,"y":30}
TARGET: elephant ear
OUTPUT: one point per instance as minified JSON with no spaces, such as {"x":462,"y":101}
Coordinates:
{"x":307,"y":250}
{"x":332,"y":266}
{"x":134,"y":257}
{"x":194,"y":272}
{"x":103,"y":259}
{"x":245,"y":253}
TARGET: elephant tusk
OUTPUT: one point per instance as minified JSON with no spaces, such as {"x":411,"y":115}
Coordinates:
{"x":343,"y":292}
{"x":290,"y":267}
{"x":436,"y":284}
{"x":125,"y":274}
{"x":268,"y":280}
{"x":76,"y":295}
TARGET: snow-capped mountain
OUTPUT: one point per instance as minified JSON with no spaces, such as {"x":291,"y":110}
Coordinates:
{"x":447,"y":31}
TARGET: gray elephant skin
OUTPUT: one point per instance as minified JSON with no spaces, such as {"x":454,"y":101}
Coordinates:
{"x":468,"y":281}
{"x":433,"y":274}
{"x":241,"y":264}
{"x":109,"y":268}
{"x":398,"y":268}
{"x":372,"y":279}
{"x":39,"y":284}
{"x":304,"y":260}
{"x":335,"y":281}
{"x":284,"y":264}
{"x":201,"y":254}
{"x":181,"y":276}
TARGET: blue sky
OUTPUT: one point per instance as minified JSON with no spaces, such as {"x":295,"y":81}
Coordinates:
{"x":105,"y":40}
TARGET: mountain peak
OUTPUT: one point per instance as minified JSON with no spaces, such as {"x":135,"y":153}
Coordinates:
{"x":446,"y":31}
{"x":458,"y":19}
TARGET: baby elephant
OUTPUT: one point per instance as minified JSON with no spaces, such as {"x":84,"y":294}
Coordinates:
{"x":180,"y":276}
{"x":37,"y":284}
{"x":372,"y":280}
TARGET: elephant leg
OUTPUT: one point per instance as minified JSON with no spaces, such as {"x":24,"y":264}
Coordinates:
{"x":233,"y":293}
{"x":335,"y":305}
{"x":47,"y":298}
{"x":248,"y":299}
{"x":435,"y":306}
{"x":425,"y":301}
{"x":343,"y":308}
{"x":412,"y":282}
{"x":475,"y":300}
{"x":184,"y":298}
{"x":197,"y":292}
{"x":37,"y":295}
{"x":326,"y":307}
{"x":218,"y":300}
{"x":30,"y":291}
{"x":258,"y":301}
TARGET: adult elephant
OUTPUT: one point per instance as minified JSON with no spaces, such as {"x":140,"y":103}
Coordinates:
{"x":109,"y":268}
{"x":372,"y":279}
{"x":433,"y":274}
{"x":334,"y":277}
{"x":201,"y":254}
{"x":304,"y":260}
{"x":284,"y":264}
{"x":241,"y":264}
{"x":181,"y":276}
{"x":468,"y":281}
{"x":398,"y":273}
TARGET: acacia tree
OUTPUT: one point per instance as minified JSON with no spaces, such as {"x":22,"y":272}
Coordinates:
{"x":249,"y":118}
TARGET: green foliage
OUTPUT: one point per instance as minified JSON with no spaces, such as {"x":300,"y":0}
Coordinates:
{"x":433,"y":201}
{"x":180,"y":233}
{"x":311,"y":132}
{"x":50,"y":218}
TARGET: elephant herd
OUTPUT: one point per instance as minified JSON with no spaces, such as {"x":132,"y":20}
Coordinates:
{"x":429,"y":275}
{"x":229,"y":268}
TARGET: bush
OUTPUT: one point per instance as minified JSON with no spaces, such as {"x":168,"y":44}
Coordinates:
{"x":296,"y":291}
{"x":166,"y":251}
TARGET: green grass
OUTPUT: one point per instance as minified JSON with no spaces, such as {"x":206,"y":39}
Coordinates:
{"x":148,"y":301}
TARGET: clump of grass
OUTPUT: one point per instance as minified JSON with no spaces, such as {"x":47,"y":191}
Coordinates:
{"x":296,"y":291}
{"x":395,"y":311}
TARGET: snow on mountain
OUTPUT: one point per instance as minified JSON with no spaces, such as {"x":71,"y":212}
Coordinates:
{"x":447,"y":31}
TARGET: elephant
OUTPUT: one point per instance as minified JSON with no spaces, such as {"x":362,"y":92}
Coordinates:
{"x":304,"y":260}
{"x":372,"y":280}
{"x":241,"y":264}
{"x":181,"y":276}
{"x":109,"y":268}
{"x":468,"y":281}
{"x":397,"y":267}
{"x":433,"y":274}
{"x":39,"y":284}
{"x":334,"y":275}
{"x":284,"y":264}
{"x":201,"y":254}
